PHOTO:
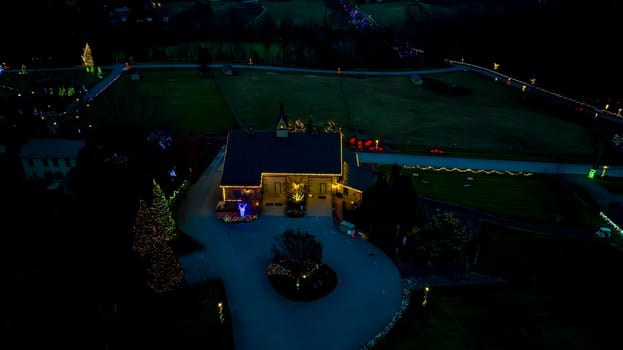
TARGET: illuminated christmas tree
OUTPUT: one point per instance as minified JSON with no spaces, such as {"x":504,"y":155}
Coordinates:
{"x":87,"y":59}
{"x":144,"y":230}
{"x":164,"y":270}
{"x":163,"y":218}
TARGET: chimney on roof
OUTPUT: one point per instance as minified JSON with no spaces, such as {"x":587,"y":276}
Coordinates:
{"x":281,"y":129}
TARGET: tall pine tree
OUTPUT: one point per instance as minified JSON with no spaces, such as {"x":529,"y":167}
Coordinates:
{"x":144,"y":229}
{"x":164,"y":271}
{"x":163,"y":217}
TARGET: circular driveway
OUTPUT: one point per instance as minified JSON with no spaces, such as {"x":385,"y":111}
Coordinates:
{"x":364,"y":302}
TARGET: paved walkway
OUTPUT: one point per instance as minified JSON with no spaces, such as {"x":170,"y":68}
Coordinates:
{"x":484,"y":164}
{"x":364,"y":302}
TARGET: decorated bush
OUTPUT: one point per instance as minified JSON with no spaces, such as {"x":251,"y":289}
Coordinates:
{"x":296,"y":270}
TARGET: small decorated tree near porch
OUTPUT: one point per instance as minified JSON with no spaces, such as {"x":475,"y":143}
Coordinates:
{"x":296,"y":188}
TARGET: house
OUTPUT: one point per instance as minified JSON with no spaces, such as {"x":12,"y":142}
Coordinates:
{"x":48,"y":158}
{"x":269,"y":168}
{"x":266,"y":168}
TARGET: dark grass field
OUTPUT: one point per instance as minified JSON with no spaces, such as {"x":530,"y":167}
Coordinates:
{"x":180,"y":100}
{"x":491,"y":118}
{"x":536,"y":198}
{"x":562,"y":294}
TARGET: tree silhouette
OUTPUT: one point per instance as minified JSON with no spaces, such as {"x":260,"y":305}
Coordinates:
{"x":600,"y":137}
{"x":204,"y":60}
{"x":440,"y":241}
{"x":404,"y":199}
{"x":375,"y":215}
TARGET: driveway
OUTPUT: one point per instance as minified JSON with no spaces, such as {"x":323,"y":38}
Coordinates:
{"x":364,"y":302}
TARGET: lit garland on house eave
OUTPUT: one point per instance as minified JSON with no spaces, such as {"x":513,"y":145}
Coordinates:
{"x":351,"y":188}
{"x":225,"y":187}
{"x":301,"y":174}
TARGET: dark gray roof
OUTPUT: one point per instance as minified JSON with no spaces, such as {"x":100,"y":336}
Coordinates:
{"x":359,"y":177}
{"x":51,"y":148}
{"x":248,"y":155}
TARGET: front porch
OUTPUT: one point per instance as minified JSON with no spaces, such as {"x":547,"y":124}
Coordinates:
{"x":315,"y":206}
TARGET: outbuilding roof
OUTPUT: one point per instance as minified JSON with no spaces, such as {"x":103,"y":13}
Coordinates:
{"x":51,"y":148}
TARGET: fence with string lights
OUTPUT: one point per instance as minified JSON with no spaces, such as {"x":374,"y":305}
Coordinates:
{"x":580,"y":105}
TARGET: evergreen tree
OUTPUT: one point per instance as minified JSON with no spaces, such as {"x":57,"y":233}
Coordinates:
{"x":164,"y":271}
{"x":404,"y":199}
{"x":441,"y":241}
{"x":375,"y":215}
{"x":87,"y":58}
{"x":163,"y":217}
{"x":144,"y":229}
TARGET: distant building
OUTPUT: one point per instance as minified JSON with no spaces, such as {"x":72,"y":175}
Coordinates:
{"x":49,"y":159}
